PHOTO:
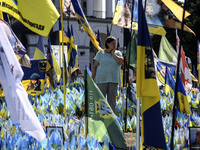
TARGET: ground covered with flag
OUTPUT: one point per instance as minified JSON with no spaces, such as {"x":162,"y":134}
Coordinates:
{"x":49,"y":110}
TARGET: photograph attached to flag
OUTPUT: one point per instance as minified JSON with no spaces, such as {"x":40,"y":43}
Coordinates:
{"x":34,"y":77}
{"x":102,"y":121}
{"x":17,"y":46}
{"x":164,"y":14}
{"x":68,"y":9}
{"x":152,"y":132}
{"x":39,"y":15}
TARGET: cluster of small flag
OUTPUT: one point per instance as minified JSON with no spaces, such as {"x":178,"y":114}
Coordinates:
{"x":50,"y":113}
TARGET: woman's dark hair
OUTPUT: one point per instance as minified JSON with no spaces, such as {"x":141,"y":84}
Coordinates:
{"x":109,"y":39}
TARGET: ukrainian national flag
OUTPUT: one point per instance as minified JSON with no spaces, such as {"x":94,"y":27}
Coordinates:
{"x":169,"y":82}
{"x":85,"y":24}
{"x":182,"y":98}
{"x":65,"y":39}
{"x":55,"y":68}
{"x":147,"y":88}
{"x":192,"y":122}
{"x":39,"y":51}
{"x":72,"y":51}
{"x":118,"y":9}
{"x":38,"y":15}
{"x":99,"y":39}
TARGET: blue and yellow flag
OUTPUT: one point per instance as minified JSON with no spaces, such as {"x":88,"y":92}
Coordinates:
{"x":54,"y":73}
{"x":72,"y":51}
{"x":38,"y":15}
{"x":161,"y":66}
{"x":169,"y":82}
{"x":99,"y":39}
{"x":192,"y":122}
{"x":118,"y":9}
{"x":34,"y":77}
{"x":182,"y":98}
{"x":65,"y":39}
{"x":85,"y":24}
{"x":147,"y":88}
{"x":39,"y":51}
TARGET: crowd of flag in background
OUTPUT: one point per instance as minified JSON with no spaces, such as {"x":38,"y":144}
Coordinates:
{"x":22,"y":121}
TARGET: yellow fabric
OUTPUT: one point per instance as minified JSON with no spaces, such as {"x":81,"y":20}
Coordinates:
{"x":56,"y":67}
{"x":89,"y":31}
{"x":183,"y":103}
{"x":168,"y":89}
{"x":158,"y":30}
{"x":65,"y":38}
{"x":176,"y":9}
{"x":146,"y":88}
{"x":117,"y":13}
{"x":198,"y":68}
{"x":1,"y":15}
{"x":38,"y":15}
{"x":193,"y":77}
{"x":38,"y":54}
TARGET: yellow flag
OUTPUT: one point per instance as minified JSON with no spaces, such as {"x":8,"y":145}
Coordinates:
{"x":37,"y":15}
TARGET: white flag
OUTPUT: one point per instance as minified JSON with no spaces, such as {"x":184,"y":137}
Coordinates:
{"x":16,"y":97}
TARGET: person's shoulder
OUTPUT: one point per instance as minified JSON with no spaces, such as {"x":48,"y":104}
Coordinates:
{"x":118,"y":52}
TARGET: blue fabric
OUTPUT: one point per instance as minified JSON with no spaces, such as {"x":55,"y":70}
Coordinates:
{"x":108,"y":69}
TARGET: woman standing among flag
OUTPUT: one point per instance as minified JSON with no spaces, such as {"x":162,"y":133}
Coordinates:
{"x":106,"y":70}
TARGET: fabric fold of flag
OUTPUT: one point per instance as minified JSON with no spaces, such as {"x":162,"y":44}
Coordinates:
{"x":166,"y":51}
{"x":39,"y":51}
{"x":182,"y":98}
{"x":169,"y":82}
{"x":102,"y":122}
{"x":72,"y":49}
{"x":147,"y":88}
{"x":54,"y":73}
{"x":39,"y":16}
{"x":82,"y":19}
{"x":11,"y":74}
{"x":132,"y":51}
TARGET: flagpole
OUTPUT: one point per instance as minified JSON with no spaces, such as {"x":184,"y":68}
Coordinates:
{"x":127,"y":77}
{"x":86,"y":103}
{"x":63,"y":60}
{"x":176,"y":86}
{"x":138,"y":125}
{"x":67,"y":53}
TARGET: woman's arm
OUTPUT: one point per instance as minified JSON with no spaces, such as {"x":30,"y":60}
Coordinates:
{"x":94,"y":69}
{"x":119,"y":59}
